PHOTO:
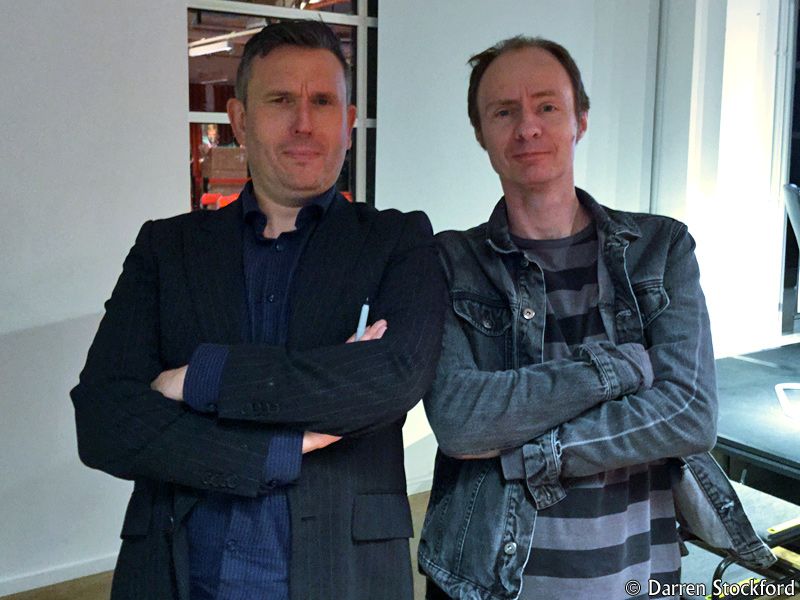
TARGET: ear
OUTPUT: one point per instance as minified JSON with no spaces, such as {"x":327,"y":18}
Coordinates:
{"x":236,"y":115}
{"x":583,"y":124}
{"x":351,"y":121}
{"x":479,"y":136}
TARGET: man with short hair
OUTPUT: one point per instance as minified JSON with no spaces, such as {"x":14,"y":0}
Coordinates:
{"x":576,"y":364}
{"x":267,"y":452}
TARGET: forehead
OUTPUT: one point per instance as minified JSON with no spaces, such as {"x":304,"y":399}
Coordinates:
{"x":290,"y":67}
{"x":528,"y":70}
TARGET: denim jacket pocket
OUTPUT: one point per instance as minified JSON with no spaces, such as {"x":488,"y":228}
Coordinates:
{"x":652,"y":299}
{"x":489,"y":316}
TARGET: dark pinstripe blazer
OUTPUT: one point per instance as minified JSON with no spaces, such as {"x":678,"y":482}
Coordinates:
{"x":182,"y":285}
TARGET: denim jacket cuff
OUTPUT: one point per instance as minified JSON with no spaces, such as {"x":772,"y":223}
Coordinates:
{"x":543,"y":469}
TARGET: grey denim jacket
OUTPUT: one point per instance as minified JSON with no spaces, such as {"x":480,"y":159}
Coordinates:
{"x":569,"y":417}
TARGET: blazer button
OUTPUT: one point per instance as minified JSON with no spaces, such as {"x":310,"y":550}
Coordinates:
{"x":528,"y":314}
{"x":510,"y":548}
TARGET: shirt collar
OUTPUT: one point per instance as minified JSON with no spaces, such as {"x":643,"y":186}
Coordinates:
{"x":314,"y":209}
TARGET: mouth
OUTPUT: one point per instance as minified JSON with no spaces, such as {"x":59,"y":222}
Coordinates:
{"x":530,"y":155}
{"x":302,"y":153}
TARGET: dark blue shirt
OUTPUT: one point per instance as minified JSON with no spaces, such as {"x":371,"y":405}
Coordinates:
{"x":239,"y":548}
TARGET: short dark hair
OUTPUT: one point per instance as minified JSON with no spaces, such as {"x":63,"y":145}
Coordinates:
{"x":481,"y":61}
{"x":303,"y":33}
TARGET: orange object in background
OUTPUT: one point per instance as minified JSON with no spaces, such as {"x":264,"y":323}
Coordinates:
{"x":225,"y":200}
{"x":348,"y":195}
{"x":212,"y":201}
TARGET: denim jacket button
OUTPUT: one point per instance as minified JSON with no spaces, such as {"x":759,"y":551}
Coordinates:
{"x":487,"y":323}
{"x":528,"y":313}
{"x":510,"y":548}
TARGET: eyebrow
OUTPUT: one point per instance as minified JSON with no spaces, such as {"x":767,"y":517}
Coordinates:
{"x":508,"y":102}
{"x":277,"y":93}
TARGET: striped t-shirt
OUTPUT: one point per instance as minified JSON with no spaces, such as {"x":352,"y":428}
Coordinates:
{"x":614,"y":526}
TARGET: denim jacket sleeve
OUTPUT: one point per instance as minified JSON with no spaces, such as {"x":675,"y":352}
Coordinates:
{"x":475,"y":410}
{"x":676,"y":416}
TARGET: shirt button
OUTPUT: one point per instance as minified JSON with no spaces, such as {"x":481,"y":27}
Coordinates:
{"x":231,"y":545}
{"x":528,"y":313}
{"x":510,"y":548}
{"x":278,"y":247}
{"x":524,"y":262}
{"x":271,"y":298}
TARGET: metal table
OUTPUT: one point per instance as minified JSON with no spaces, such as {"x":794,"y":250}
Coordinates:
{"x":753,"y":424}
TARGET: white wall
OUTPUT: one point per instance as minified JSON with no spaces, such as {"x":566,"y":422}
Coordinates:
{"x":95,"y":141}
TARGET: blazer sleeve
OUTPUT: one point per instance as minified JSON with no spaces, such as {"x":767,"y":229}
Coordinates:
{"x":130,"y":431}
{"x":351,"y":388}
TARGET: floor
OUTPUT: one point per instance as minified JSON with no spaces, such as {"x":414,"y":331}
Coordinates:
{"x":97,"y":587}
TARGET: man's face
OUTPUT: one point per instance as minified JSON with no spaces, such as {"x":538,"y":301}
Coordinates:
{"x":528,"y":122}
{"x":296,"y":126}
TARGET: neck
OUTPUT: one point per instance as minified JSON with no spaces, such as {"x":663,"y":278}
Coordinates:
{"x":546,"y":215}
{"x":280,"y":217}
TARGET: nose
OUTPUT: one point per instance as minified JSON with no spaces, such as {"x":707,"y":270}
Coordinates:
{"x":302,"y":117}
{"x":529,"y":125}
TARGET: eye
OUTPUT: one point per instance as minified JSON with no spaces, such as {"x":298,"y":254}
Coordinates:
{"x":548,"y":108}
{"x":323,"y":101}
{"x":502,"y":113}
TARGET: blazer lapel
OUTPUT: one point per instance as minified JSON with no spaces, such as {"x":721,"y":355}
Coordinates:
{"x":323,"y":273}
{"x":213,"y":258}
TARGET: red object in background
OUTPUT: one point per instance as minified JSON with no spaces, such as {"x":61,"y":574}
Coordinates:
{"x":225,"y":200}
{"x":211,"y":201}
{"x":348,"y":195}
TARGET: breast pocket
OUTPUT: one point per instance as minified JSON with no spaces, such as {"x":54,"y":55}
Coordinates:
{"x":486,"y":322}
{"x":652,"y":299}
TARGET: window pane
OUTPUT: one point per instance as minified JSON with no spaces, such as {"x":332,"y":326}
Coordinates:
{"x":344,"y":7}
{"x":218,"y":165}
{"x":216,"y":41}
{"x":372,"y":8}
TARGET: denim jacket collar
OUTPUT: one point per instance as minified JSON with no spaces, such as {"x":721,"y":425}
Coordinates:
{"x":616,"y":227}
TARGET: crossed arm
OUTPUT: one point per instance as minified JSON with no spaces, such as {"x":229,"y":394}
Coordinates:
{"x":131,"y":430}
{"x":591,"y":413}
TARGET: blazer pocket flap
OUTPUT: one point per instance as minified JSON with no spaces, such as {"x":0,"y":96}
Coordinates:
{"x":381,"y":517}
{"x":137,"y":517}
{"x":489,"y":317}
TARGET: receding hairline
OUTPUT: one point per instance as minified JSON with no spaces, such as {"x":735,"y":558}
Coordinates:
{"x":550,"y":92}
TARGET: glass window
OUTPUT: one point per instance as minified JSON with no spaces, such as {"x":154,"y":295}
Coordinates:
{"x":216,"y":43}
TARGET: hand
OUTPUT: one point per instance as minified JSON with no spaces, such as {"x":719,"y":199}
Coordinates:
{"x":316,"y":441}
{"x":170,"y":383}
{"x":373,"y":332}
